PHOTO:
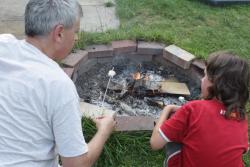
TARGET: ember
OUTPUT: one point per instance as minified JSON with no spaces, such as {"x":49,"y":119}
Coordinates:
{"x":136,"y":76}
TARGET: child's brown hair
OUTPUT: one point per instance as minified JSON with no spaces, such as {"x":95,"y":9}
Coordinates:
{"x":230,"y":77}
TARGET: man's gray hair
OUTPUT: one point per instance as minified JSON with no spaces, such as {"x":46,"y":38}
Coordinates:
{"x":41,"y":16}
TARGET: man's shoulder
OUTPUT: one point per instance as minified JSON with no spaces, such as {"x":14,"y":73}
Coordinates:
{"x":7,"y":37}
{"x":53,"y":75}
{"x":7,"y":43}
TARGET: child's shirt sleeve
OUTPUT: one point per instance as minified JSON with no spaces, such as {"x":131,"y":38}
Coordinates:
{"x":175,"y":128}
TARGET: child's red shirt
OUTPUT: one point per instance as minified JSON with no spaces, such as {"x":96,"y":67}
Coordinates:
{"x":209,"y":140}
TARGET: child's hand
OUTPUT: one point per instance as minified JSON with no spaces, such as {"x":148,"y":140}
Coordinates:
{"x":168,"y":110}
{"x":171,"y":108}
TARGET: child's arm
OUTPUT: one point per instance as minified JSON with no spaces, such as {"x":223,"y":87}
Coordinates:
{"x":157,"y":141}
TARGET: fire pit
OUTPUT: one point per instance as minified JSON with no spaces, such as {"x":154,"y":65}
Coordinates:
{"x":148,"y":77}
{"x":137,"y":89}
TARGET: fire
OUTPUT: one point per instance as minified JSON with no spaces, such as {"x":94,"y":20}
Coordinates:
{"x":136,"y":76}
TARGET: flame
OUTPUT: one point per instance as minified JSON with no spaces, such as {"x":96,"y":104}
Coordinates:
{"x":136,"y":76}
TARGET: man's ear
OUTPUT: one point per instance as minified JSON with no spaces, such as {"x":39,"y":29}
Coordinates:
{"x":58,"y":33}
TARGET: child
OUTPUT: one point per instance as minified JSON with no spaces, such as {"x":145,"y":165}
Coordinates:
{"x":213,"y":132}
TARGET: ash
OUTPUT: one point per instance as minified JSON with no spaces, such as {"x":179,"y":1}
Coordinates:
{"x":91,"y":86}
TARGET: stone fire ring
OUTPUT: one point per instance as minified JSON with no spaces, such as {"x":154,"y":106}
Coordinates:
{"x":79,"y":62}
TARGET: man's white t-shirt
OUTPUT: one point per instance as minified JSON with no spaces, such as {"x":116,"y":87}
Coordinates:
{"x":39,"y":108}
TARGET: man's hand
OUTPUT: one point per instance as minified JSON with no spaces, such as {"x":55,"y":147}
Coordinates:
{"x":105,"y":126}
{"x":105,"y":123}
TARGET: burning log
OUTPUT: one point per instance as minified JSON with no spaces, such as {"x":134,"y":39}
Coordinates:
{"x":144,"y":84}
{"x":175,"y":88}
{"x":144,"y":87}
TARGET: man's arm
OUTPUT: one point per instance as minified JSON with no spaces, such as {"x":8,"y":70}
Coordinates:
{"x":105,"y":126}
{"x":157,"y":141}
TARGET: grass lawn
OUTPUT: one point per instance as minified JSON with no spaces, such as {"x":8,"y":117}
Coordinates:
{"x":191,"y":25}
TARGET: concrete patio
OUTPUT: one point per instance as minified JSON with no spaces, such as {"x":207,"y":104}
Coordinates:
{"x":97,"y":17}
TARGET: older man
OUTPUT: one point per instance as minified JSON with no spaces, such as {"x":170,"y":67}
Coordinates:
{"x":39,"y":105}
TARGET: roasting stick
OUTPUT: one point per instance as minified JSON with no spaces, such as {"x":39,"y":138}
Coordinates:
{"x":111,"y":74}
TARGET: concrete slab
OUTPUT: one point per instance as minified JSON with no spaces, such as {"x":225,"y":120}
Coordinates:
{"x":94,"y":111}
{"x":123,"y":46}
{"x":178,"y":56}
{"x":99,"y":51}
{"x":151,"y":48}
{"x":97,"y":17}
{"x":68,"y":71}
{"x":91,"y":2}
{"x":199,"y":64}
{"x":12,"y":27}
{"x":108,"y":17}
{"x":94,"y":2}
{"x":74,"y":59}
{"x":12,"y":17}
{"x":134,"y":123}
{"x":90,"y":21}
{"x":10,"y":8}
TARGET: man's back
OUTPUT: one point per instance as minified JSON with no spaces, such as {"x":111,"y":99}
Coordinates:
{"x":29,"y":93}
